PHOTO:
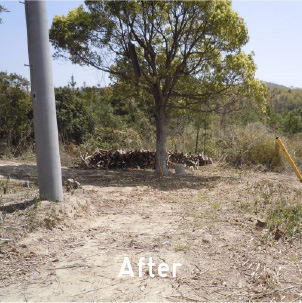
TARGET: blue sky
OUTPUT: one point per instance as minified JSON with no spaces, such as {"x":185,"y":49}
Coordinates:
{"x":275,"y":30}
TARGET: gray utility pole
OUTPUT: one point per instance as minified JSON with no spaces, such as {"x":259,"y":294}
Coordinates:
{"x":44,"y":107}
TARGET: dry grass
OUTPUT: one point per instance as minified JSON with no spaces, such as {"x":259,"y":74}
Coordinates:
{"x":208,"y":221}
{"x":249,"y":146}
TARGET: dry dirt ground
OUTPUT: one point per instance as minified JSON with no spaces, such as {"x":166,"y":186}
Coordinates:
{"x":205,"y":220}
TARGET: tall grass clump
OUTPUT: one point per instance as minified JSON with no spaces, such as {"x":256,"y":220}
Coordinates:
{"x":250,"y":145}
{"x":280,"y":208}
{"x":294,"y":147}
{"x":287,"y":217}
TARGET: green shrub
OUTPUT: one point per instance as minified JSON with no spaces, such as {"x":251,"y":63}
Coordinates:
{"x":75,"y":123}
{"x":292,"y":122}
{"x":16,"y":117}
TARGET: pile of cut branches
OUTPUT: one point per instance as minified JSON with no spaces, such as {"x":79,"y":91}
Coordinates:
{"x":188,"y":159}
{"x":139,"y":159}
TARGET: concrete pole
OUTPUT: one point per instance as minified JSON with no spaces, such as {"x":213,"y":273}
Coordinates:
{"x":44,"y":107}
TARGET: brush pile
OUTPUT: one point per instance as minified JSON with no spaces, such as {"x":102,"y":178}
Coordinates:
{"x":139,"y":159}
{"x":188,"y":159}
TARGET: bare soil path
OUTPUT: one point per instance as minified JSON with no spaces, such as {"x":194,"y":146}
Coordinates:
{"x":74,"y":250}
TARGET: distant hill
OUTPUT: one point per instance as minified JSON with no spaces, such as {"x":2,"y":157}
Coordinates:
{"x":274,"y":85}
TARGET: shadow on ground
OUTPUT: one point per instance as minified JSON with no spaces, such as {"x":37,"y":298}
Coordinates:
{"x":121,"y":178}
{"x":10,"y":208}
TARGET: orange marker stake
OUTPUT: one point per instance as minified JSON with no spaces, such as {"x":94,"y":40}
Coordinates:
{"x":293,"y":165}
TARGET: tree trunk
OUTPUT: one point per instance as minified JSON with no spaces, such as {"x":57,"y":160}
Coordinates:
{"x":161,"y":139}
{"x":197,"y":138}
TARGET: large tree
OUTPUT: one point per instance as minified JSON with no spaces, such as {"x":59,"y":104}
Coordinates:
{"x":188,"y":53}
{"x":2,"y":9}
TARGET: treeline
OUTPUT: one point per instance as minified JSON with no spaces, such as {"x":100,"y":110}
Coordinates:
{"x":90,"y":116}
{"x":282,"y":112}
{"x":117,"y":117}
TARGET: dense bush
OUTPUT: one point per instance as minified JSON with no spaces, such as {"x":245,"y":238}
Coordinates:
{"x":292,"y":122}
{"x":122,"y":118}
{"x":16,"y":131}
{"x":75,"y":123}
